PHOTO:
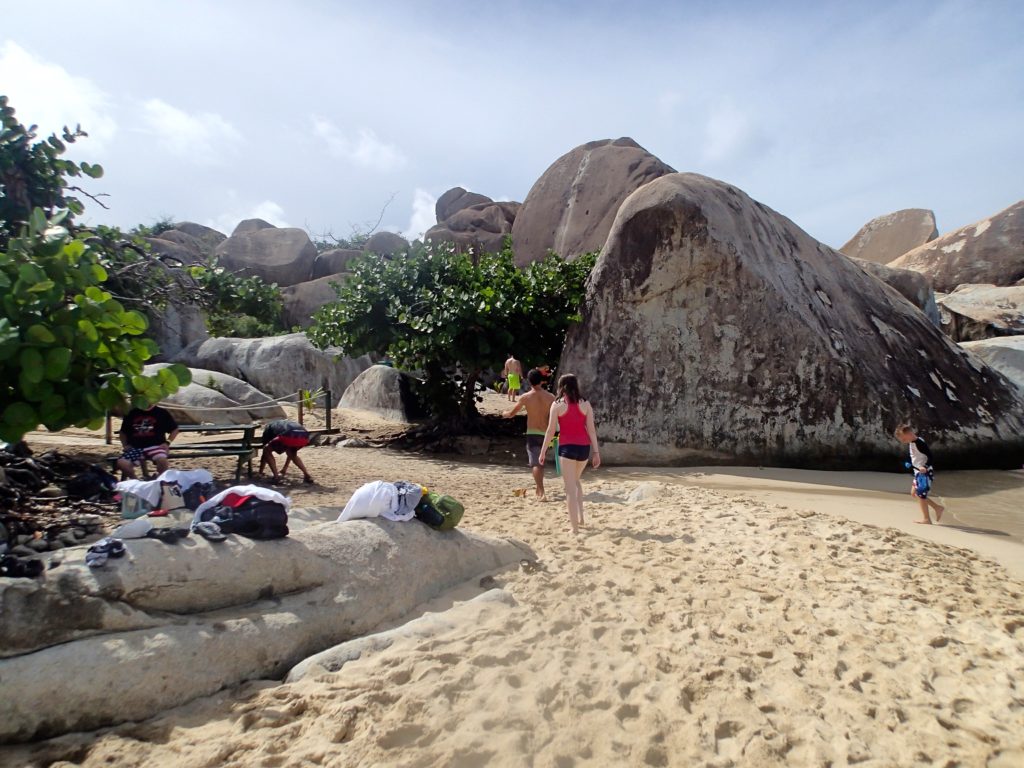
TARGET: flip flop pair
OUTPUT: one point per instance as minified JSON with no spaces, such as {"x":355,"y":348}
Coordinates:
{"x":104,"y":549}
{"x":167,"y":535}
{"x":209,"y":531}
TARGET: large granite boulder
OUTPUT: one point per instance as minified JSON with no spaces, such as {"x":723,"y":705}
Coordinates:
{"x":277,"y":255}
{"x":382,"y":390}
{"x":913,"y":286}
{"x":570,"y":208}
{"x":973,"y":312}
{"x":333,"y":261}
{"x":193,"y":244}
{"x":170,"y":251}
{"x":216,"y":390}
{"x":888,"y":237}
{"x":714,"y":329}
{"x":84,"y":648}
{"x":988,"y":251}
{"x":174,"y":326}
{"x":245,"y":226}
{"x":386,"y":244}
{"x":302,"y":300}
{"x":481,"y":228}
{"x":277,"y":365}
{"x":1005,"y":354}
{"x":454,"y":200}
{"x":208,"y":237}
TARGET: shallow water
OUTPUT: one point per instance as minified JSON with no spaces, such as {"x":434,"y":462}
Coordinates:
{"x":986,"y":499}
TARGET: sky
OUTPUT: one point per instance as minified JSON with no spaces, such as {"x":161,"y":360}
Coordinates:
{"x":330,"y":116}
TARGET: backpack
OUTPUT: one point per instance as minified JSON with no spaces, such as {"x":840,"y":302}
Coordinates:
{"x":439,"y":511}
{"x":252,"y":516}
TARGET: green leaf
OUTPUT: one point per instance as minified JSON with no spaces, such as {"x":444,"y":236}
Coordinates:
{"x":31,"y":365}
{"x":21,"y":416}
{"x":40,"y":334}
{"x":58,"y":361}
{"x":37,"y":221}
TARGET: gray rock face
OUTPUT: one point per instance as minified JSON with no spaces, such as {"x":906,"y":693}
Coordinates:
{"x":185,"y":240}
{"x":482,"y":227}
{"x":278,"y":365}
{"x":210,"y":238}
{"x":251,"y":225}
{"x":238,"y":610}
{"x":386,"y":244}
{"x":888,"y":237}
{"x":570,"y":208}
{"x":213,"y":389}
{"x":303,"y":299}
{"x":384,"y":391}
{"x":175,"y":327}
{"x":747,"y":341}
{"x":283,"y":256}
{"x":332,"y":262}
{"x":973,"y":312}
{"x":988,"y":251}
{"x":171,"y":251}
{"x":913,"y":286}
{"x":1005,"y":354}
{"x":454,"y":200}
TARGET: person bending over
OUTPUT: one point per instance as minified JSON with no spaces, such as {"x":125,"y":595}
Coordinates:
{"x":287,"y":437}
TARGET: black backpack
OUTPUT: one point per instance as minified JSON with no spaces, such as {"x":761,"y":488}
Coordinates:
{"x":256,"y":518}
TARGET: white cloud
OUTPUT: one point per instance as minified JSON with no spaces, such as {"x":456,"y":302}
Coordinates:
{"x":729,"y":133}
{"x":202,"y":137}
{"x":365,"y":150}
{"x":268,"y":210}
{"x":424,"y":215}
{"x":49,"y":96}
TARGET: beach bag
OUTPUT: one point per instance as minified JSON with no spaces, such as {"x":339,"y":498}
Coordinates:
{"x":250,"y":516}
{"x":93,"y":482}
{"x":133,"y":506}
{"x":439,"y":511}
{"x":197,"y":493}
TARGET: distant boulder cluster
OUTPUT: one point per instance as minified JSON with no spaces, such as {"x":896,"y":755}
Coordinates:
{"x":715,"y":329}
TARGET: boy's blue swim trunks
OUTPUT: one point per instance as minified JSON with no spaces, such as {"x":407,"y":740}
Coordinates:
{"x":922,"y":484}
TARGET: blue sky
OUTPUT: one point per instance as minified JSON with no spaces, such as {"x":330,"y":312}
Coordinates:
{"x":316,"y":114}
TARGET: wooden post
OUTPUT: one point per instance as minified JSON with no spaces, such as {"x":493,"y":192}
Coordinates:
{"x":109,"y":431}
{"x":329,"y":405}
{"x":300,"y":408}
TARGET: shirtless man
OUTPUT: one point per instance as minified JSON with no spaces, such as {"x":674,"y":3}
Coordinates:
{"x":537,"y":403}
{"x":513,"y":373}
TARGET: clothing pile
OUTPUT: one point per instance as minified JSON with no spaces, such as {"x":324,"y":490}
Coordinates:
{"x":401,"y":501}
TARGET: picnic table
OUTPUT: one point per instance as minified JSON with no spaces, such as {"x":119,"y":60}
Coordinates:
{"x":241,"y":444}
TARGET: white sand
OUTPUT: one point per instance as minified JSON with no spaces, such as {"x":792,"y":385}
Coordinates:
{"x":735,"y":624}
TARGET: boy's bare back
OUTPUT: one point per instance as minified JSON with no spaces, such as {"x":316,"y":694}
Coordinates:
{"x":538,"y":405}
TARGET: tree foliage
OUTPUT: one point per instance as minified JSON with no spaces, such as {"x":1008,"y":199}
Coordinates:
{"x":238,"y":306}
{"x":69,"y":350}
{"x":453,"y":316}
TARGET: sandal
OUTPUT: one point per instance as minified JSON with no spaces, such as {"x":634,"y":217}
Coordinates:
{"x":98,"y":554}
{"x":210,"y":531}
{"x":167,"y":535}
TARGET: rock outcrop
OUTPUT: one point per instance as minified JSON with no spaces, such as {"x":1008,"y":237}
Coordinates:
{"x":208,"y":237}
{"x":454,"y":200}
{"x":215,"y":390}
{"x":278,"y":365}
{"x":302,"y":300}
{"x":988,"y":251}
{"x":238,"y":610}
{"x":913,"y":286}
{"x":1005,"y":354}
{"x":973,"y":312}
{"x":332,"y":262}
{"x":284,"y":256}
{"x":175,"y":326}
{"x":570,"y":208}
{"x":386,"y":244}
{"x":741,"y":339}
{"x":888,"y":237}
{"x":251,"y":225}
{"x":382,"y":390}
{"x":481,"y":228}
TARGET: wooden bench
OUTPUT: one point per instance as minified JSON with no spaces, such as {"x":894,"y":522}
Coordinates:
{"x":241,"y":448}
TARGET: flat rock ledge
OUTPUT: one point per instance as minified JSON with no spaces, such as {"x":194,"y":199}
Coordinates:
{"x":86,"y":648}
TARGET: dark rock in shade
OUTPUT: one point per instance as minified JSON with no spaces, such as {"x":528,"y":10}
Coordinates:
{"x":974,"y":312}
{"x":570,"y":208}
{"x":302,"y":300}
{"x":171,"y":251}
{"x":277,"y":365}
{"x":251,"y":225}
{"x":714,"y":329}
{"x":210,"y":238}
{"x":482,"y":228}
{"x":890,"y":236}
{"x":454,"y":200}
{"x":278,"y":255}
{"x":384,"y":391}
{"x":386,"y":244}
{"x":913,"y":286}
{"x":332,"y":262}
{"x":988,"y":251}
{"x":1005,"y":354}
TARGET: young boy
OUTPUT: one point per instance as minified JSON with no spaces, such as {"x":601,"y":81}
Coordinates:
{"x":146,"y":435}
{"x":287,"y":437}
{"x":537,"y":403}
{"x":921,"y":462}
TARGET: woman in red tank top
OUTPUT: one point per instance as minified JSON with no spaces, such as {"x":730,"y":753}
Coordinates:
{"x":577,"y":441}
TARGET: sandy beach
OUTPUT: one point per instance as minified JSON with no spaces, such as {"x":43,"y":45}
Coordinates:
{"x":706,"y":616}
